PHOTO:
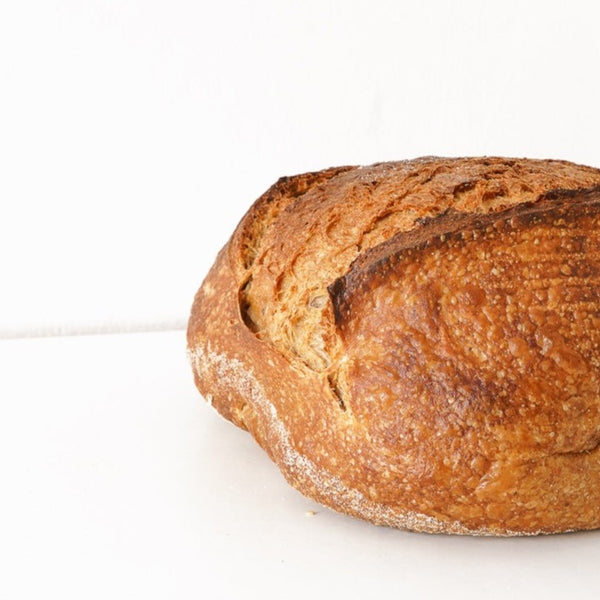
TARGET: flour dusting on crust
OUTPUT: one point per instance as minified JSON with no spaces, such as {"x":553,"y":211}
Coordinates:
{"x":233,"y":375}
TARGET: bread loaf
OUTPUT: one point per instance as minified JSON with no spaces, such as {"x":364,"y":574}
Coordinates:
{"x":417,"y":343}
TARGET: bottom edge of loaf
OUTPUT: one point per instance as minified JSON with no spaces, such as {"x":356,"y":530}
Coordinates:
{"x":312,"y":481}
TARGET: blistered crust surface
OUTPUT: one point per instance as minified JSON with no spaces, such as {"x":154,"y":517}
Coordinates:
{"x":475,"y":359}
{"x":427,"y":413}
{"x":319,"y":233}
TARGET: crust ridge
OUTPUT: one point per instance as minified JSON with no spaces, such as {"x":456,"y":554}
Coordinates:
{"x":427,"y":403}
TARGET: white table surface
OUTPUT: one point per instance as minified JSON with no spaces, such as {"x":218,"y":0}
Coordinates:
{"x":118,"y":481}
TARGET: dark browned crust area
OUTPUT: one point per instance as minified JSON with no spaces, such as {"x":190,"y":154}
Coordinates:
{"x":474,"y":355}
{"x":416,"y":343}
{"x":451,"y":226}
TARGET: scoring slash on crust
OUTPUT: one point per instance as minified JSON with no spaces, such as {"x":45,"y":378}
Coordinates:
{"x":416,"y":344}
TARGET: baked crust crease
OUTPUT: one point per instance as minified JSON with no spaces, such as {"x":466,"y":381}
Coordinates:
{"x":417,"y":343}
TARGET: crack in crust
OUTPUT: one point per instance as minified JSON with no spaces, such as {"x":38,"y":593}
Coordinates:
{"x":446,"y":227}
{"x":312,"y":238}
{"x":357,"y":327}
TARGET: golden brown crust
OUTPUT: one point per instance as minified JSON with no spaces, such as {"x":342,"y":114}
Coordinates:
{"x":415,"y":343}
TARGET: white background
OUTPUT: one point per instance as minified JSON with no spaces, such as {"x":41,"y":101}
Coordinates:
{"x":134,"y":134}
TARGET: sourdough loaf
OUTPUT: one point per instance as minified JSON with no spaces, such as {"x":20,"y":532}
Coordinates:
{"x":416,"y":343}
